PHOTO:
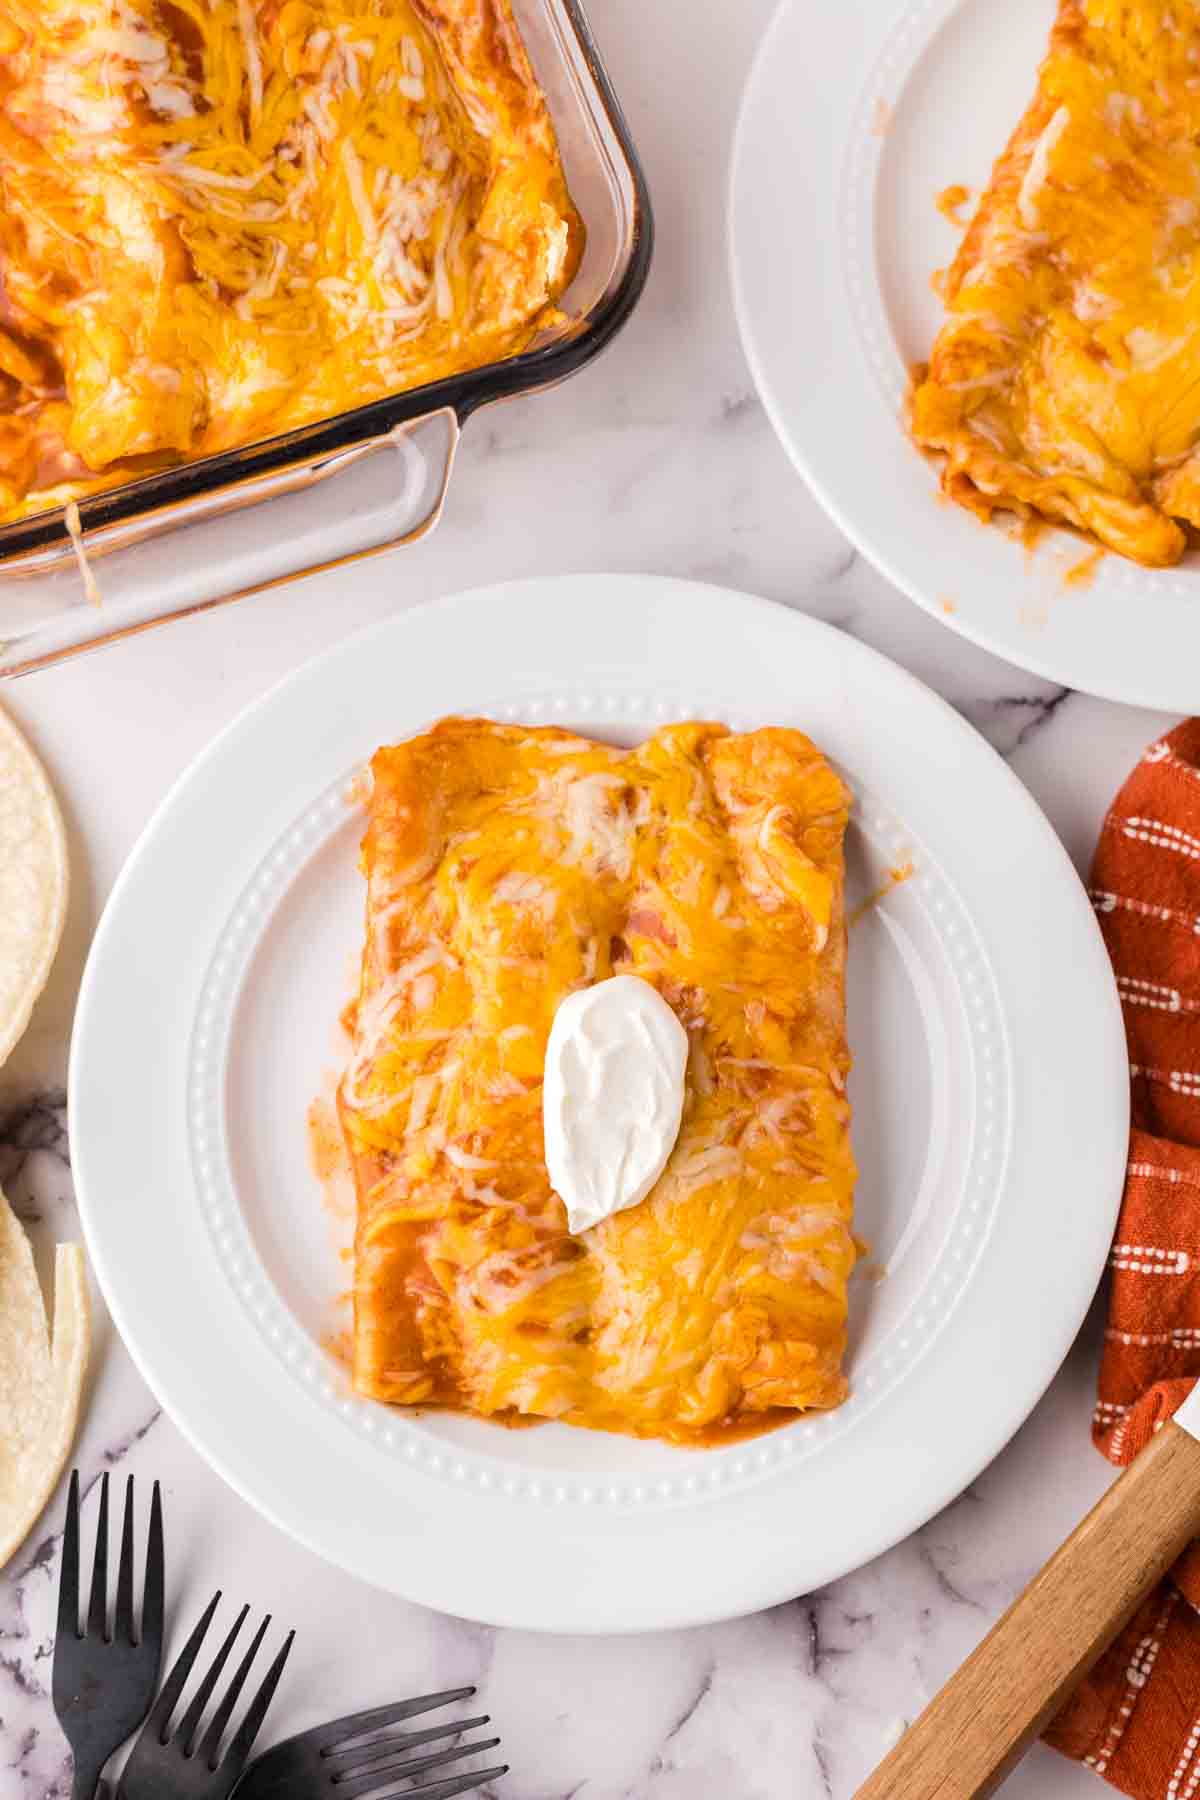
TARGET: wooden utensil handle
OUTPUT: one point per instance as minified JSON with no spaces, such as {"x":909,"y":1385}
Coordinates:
{"x":970,"y":1735}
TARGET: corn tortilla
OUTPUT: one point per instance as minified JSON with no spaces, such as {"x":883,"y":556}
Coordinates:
{"x":41,"y":1376}
{"x":33,"y":882}
{"x":41,"y":1368}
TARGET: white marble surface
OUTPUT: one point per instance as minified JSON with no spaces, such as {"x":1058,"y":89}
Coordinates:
{"x":657,"y":458}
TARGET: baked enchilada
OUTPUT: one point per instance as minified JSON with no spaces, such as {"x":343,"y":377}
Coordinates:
{"x":1065,"y":382}
{"x":223,"y":219}
{"x":508,"y":869}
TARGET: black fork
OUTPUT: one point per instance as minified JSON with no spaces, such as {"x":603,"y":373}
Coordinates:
{"x":104,"y":1680}
{"x":358,"y":1756}
{"x":166,"y":1765}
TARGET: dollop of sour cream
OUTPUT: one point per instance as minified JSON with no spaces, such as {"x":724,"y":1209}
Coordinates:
{"x":612,"y":1097}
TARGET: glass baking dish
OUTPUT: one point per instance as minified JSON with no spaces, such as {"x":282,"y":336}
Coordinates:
{"x":228,"y":526}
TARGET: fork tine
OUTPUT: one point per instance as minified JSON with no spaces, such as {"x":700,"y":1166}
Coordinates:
{"x":152,"y":1592}
{"x":123,"y":1623}
{"x":445,"y":1790}
{"x":376,"y":1716}
{"x":164,"y":1706}
{"x":216,"y":1730}
{"x":370,"y":1783}
{"x":247,"y":1731}
{"x":185,"y":1735}
{"x":355,"y":1756}
{"x":97,"y":1619}
{"x":68,"y":1579}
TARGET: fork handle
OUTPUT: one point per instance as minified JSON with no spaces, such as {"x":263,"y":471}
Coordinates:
{"x":971,"y":1734}
{"x":86,"y":1783}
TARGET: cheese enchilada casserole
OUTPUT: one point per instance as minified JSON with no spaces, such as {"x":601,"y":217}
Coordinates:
{"x":508,"y":868}
{"x":1065,"y":382}
{"x":223,"y":219}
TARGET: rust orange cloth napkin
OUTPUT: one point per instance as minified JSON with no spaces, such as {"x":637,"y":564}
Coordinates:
{"x":1136,"y":1720}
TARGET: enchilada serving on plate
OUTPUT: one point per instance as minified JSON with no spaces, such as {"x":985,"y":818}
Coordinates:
{"x":1065,"y":382}
{"x":508,"y":869}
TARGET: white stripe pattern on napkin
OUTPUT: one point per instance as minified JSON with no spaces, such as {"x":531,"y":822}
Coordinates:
{"x":1178,"y":1788}
{"x":1105,"y":901}
{"x":1180,"y":1081}
{"x":1135,"y":990}
{"x":1156,"y":1172}
{"x":1163,"y":753}
{"x":1161,"y":836}
{"x":1184,"y":1337}
{"x":1149,"y":1259}
{"x":1136,"y":1676}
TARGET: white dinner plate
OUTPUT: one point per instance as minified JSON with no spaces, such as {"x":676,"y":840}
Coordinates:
{"x":860,"y":125}
{"x":990,"y":1092}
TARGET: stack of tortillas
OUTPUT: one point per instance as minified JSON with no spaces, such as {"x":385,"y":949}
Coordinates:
{"x":41,"y":1365}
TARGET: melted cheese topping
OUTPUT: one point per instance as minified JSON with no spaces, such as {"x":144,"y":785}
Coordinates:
{"x":1066,"y":379}
{"x":222,"y":219}
{"x":509,"y":868}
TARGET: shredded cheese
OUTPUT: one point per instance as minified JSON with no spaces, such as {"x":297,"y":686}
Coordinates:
{"x":75,"y":533}
{"x":297,"y":206}
{"x":1039,"y":164}
{"x":254,"y":70}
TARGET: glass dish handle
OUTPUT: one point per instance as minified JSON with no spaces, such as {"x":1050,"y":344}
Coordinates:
{"x":225,"y":545}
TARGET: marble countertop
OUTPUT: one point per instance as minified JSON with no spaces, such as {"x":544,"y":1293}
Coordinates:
{"x":659,"y":457}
